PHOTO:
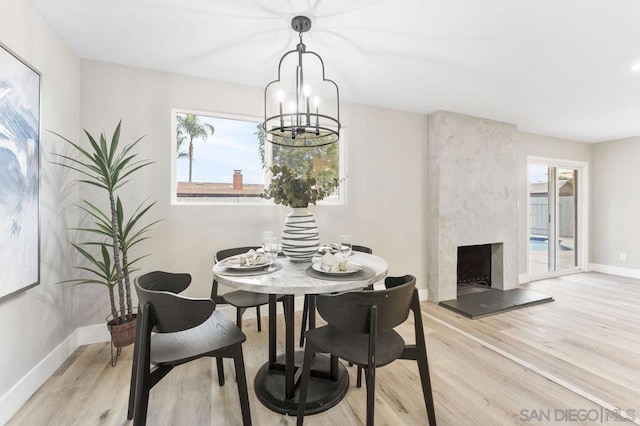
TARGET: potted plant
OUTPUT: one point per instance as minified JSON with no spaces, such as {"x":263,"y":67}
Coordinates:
{"x":112,"y":233}
{"x":300,"y":238}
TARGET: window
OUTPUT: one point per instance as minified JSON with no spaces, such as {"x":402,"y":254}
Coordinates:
{"x":222,"y":159}
{"x":556,"y":239}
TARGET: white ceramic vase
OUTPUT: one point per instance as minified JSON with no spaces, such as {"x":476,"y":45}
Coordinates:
{"x":300,"y":238}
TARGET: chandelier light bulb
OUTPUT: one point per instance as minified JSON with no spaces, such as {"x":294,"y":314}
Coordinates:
{"x":280,"y":96}
{"x":316,"y":101}
{"x":306,"y":90}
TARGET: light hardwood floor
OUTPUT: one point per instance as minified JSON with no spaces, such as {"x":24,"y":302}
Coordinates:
{"x":581,"y":352}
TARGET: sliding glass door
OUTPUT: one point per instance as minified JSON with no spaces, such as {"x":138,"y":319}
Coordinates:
{"x":553,"y":218}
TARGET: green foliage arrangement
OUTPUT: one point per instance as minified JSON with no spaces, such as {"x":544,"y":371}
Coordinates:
{"x":106,"y":251}
{"x":321,"y":162}
{"x":291,"y":189}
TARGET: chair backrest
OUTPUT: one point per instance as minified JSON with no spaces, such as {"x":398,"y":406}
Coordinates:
{"x":361,"y":249}
{"x":351,"y":311}
{"x":170,"y":312}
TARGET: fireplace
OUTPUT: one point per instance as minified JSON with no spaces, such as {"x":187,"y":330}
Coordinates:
{"x":474,"y":265}
{"x":479,"y":268}
{"x":471,"y":200}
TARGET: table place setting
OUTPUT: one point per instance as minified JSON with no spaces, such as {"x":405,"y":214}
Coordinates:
{"x":336,"y":267}
{"x":253,"y":262}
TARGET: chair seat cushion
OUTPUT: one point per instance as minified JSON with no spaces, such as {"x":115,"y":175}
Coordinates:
{"x":246,"y":299}
{"x":354,"y":347}
{"x":214,"y":335}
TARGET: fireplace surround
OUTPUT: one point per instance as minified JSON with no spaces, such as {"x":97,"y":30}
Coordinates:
{"x":471,"y":199}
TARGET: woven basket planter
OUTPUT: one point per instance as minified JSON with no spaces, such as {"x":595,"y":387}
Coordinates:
{"x":122,"y":333}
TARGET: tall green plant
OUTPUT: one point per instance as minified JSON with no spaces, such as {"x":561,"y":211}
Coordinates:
{"x":109,"y":166}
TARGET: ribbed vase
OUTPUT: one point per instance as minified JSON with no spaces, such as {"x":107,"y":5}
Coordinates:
{"x":300,"y":238}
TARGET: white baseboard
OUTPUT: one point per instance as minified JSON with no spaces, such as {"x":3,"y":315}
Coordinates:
{"x":527,"y":278}
{"x":524,"y":278}
{"x":90,"y":334}
{"x":615,"y":270}
{"x":423,"y":294}
{"x":19,"y":393}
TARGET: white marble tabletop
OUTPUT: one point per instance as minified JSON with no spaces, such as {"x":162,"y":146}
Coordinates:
{"x":292,"y":278}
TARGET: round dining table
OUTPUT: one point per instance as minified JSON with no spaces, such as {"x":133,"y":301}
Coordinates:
{"x":277,"y":380}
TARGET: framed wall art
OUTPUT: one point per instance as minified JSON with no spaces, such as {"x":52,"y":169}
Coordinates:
{"x":19,"y":174}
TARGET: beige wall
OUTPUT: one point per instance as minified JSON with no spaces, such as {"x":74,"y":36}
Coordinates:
{"x":383,"y":150}
{"x":615,"y":201}
{"x":34,"y":322}
{"x":527,"y":145}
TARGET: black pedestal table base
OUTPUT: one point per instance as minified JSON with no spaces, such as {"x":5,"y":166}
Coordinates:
{"x":323,"y":393}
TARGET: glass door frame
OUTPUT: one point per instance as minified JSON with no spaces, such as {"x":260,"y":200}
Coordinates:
{"x":582,"y":213}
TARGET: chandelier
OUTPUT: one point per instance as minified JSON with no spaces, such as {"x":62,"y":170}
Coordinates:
{"x":301,"y":107}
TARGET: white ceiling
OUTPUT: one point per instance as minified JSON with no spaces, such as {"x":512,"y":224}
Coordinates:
{"x":553,"y":67}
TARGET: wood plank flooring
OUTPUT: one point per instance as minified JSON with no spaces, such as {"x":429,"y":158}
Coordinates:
{"x":514,"y":368}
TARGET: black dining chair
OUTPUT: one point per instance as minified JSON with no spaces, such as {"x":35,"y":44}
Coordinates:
{"x":184,"y":329}
{"x":240,"y":299}
{"x":360,"y":330}
{"x":309,"y":301}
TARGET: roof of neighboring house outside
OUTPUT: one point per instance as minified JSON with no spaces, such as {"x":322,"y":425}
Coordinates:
{"x":565,"y":187}
{"x":206,"y":189}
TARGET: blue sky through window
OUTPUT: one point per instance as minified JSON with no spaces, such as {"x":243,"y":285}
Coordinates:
{"x":538,"y":174}
{"x":233,"y":146}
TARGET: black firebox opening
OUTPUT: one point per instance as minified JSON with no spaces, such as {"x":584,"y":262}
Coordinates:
{"x":474,"y":265}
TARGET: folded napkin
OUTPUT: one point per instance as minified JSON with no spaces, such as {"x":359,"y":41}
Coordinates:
{"x":330,"y":248}
{"x":250,"y":258}
{"x":333,"y":263}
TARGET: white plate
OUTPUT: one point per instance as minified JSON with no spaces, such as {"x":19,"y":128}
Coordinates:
{"x":226,"y":263}
{"x":352,"y":267}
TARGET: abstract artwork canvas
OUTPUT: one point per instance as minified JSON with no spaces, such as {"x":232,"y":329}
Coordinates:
{"x":19,"y":174}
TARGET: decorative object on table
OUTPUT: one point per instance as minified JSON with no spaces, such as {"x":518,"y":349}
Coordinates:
{"x":19,"y":174}
{"x":289,"y":118}
{"x":300,"y":238}
{"x":106,"y":255}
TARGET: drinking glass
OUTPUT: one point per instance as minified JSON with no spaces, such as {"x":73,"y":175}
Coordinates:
{"x":270,"y":247}
{"x":345,"y":245}
{"x":266,"y":234}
